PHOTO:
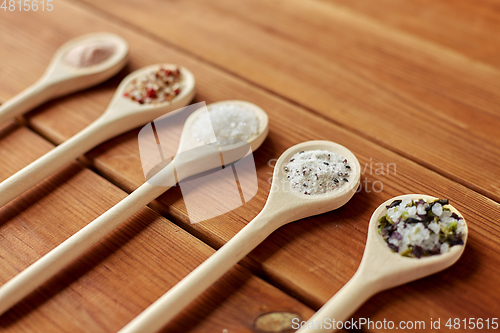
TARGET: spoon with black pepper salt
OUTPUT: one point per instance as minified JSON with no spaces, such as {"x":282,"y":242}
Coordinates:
{"x":284,"y":205}
{"x":129,"y":108}
{"x":73,"y":67}
{"x":383,"y":268}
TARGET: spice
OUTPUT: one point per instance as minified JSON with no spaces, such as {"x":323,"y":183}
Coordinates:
{"x":89,"y":54}
{"x":317,"y":171}
{"x":157,"y":86}
{"x":416,"y":228}
{"x":225,"y":122}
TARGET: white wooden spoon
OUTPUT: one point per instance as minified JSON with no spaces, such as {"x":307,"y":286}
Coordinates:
{"x":192,"y":158}
{"x":380,"y":269}
{"x":122,"y":115}
{"x":60,"y":78}
{"x":282,"y":206}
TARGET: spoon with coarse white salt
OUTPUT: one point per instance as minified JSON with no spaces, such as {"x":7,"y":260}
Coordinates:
{"x":133,"y":104}
{"x":310,"y":178}
{"x":78,"y":64}
{"x":409,"y":237}
{"x":195,"y":155}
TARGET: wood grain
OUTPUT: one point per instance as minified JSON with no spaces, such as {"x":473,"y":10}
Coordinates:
{"x":313,"y":258}
{"x":120,"y":276}
{"x":384,"y":84}
{"x":469,"y":28}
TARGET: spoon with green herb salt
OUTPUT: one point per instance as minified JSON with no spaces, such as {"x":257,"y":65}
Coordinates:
{"x":409,"y":237}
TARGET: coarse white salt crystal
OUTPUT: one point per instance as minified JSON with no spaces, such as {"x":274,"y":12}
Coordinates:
{"x":317,"y":171}
{"x":412,"y":211}
{"x":89,"y":54}
{"x":444,"y":248}
{"x":434,"y":227}
{"x":421,"y":209}
{"x":228,"y":122}
{"x":437,"y":209}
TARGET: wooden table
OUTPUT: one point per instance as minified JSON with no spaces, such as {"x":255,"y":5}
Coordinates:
{"x":411,"y":87}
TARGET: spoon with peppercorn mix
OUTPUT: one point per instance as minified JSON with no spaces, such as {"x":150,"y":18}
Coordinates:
{"x":62,"y":78}
{"x":142,"y":96}
{"x":284,"y":205}
{"x":383,"y":268}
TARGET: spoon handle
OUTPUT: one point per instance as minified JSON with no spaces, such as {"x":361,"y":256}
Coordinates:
{"x":50,"y":264}
{"x":341,"y":306}
{"x":195,"y":283}
{"x":26,"y":100}
{"x":54,"y":160}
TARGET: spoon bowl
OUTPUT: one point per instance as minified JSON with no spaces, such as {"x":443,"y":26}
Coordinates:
{"x":135,"y":114}
{"x":297,"y":205}
{"x":391,"y":269}
{"x":188,"y":141}
{"x":61,"y":78}
{"x":193,"y":157}
{"x":69,"y":78}
{"x":381,"y":269}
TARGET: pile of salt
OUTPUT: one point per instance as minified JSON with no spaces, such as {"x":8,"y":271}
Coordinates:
{"x":89,"y":54}
{"x":227,"y":121}
{"x":317,"y":171}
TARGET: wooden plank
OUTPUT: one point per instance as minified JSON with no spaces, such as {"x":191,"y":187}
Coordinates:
{"x":384,"y":84}
{"x":313,"y":258}
{"x":123,"y":274}
{"x":469,"y":27}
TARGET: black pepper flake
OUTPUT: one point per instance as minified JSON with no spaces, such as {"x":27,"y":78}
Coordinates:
{"x":412,"y":220}
{"x":417,"y":251}
{"x":326,"y":163}
{"x":336,"y":180}
{"x":346,"y":180}
{"x":301,"y":152}
{"x":293,"y":159}
{"x":393,"y":247}
{"x":347,"y":166}
{"x":394,"y":204}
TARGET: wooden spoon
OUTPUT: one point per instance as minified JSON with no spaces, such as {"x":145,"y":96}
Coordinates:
{"x":60,"y":78}
{"x":283,"y":206}
{"x":380,"y":269}
{"x":192,"y":158}
{"x":122,"y":115}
